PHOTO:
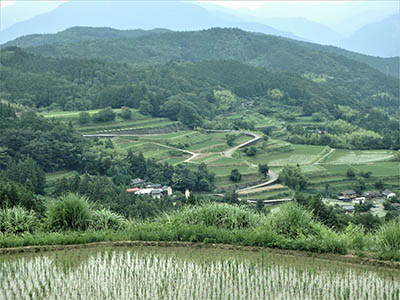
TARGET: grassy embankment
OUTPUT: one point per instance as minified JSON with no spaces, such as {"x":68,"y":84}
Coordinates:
{"x":290,"y":227}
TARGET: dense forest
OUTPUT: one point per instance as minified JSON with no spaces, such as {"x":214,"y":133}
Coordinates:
{"x":70,"y":42}
{"x":196,"y":92}
{"x":30,"y":145}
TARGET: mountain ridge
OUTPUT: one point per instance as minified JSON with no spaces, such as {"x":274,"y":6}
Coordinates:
{"x":131,"y":14}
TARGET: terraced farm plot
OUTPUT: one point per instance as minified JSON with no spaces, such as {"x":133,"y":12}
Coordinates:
{"x":301,"y":154}
{"x":226,"y":170}
{"x":157,"y":152}
{"x":58,"y":175}
{"x":74,"y":115}
{"x":126,"y":125}
{"x":138,"y":121}
{"x":224,"y":161}
{"x":311,"y":169}
{"x":259,"y":120}
{"x":354,"y":157}
{"x":377,"y":169}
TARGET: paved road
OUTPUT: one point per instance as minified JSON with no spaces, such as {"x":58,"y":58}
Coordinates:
{"x":273,"y":177}
{"x":271,"y":201}
{"x":256,"y":137}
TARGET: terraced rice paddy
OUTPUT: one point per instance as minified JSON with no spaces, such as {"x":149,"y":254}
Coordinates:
{"x":189,"y":273}
{"x":301,"y":154}
{"x":341,"y":156}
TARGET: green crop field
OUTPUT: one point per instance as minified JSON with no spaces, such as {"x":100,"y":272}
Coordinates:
{"x":177,"y":273}
{"x":138,"y":121}
{"x":342,"y":156}
{"x":58,"y":175}
{"x":316,"y":162}
{"x":301,"y":154}
{"x":377,"y":169}
{"x":226,"y":170}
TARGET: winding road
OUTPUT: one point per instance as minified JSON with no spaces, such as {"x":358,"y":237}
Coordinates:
{"x":272,"y":177}
{"x":256,"y":137}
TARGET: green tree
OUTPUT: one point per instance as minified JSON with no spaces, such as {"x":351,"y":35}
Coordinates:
{"x":292,"y":177}
{"x":145,"y":107}
{"x":232,"y":197}
{"x":350,"y":173}
{"x":360,"y":185}
{"x":251,"y":151}
{"x":379,"y":184}
{"x":260,"y":205}
{"x":188,"y":116}
{"x":230,"y":138}
{"x":235,"y":175}
{"x":126,"y":113}
{"x":263,"y":169}
{"x":226,"y":100}
{"x":104,"y":115}
{"x":84,"y":118}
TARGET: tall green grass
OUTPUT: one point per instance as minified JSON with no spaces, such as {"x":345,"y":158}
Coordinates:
{"x":70,"y":211}
{"x":18,"y":220}
{"x":213,"y":214}
{"x":292,"y":227}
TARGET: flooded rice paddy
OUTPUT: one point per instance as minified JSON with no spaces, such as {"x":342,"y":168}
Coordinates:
{"x":188,"y":273}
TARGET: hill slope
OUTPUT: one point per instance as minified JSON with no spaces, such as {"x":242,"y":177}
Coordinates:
{"x":388,"y":66}
{"x":78,"y":34}
{"x":43,"y":81}
{"x":274,"y":53}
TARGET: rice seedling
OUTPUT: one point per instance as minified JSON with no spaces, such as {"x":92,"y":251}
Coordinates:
{"x":173,"y":273}
{"x":189,"y":273}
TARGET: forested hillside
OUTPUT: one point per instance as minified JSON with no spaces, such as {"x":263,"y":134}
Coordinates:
{"x":70,"y":84}
{"x":77,"y":34}
{"x":195,"y":92}
{"x":81,"y":34}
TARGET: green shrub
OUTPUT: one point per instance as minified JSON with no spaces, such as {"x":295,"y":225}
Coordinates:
{"x":292,"y":220}
{"x":355,"y":237}
{"x":389,"y":236}
{"x":221,"y":215}
{"x":105,"y":219}
{"x":70,"y":211}
{"x":17,"y":220}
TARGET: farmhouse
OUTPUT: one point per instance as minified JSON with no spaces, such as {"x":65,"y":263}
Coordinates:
{"x":348,"y":208}
{"x":359,"y":200}
{"x":137,"y":182}
{"x":347,"y":195}
{"x":372,"y":195}
{"x":388,"y":194}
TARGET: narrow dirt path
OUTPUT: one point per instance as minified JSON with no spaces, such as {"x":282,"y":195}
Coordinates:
{"x":324,"y":156}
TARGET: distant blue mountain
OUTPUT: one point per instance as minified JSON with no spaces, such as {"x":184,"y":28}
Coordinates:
{"x":174,"y":15}
{"x":378,"y":39}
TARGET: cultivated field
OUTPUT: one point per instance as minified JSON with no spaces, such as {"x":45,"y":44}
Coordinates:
{"x":138,"y":121}
{"x":321,"y":164}
{"x":187,"y":273}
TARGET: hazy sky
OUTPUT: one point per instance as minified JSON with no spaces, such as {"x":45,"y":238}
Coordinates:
{"x":326,"y":12}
